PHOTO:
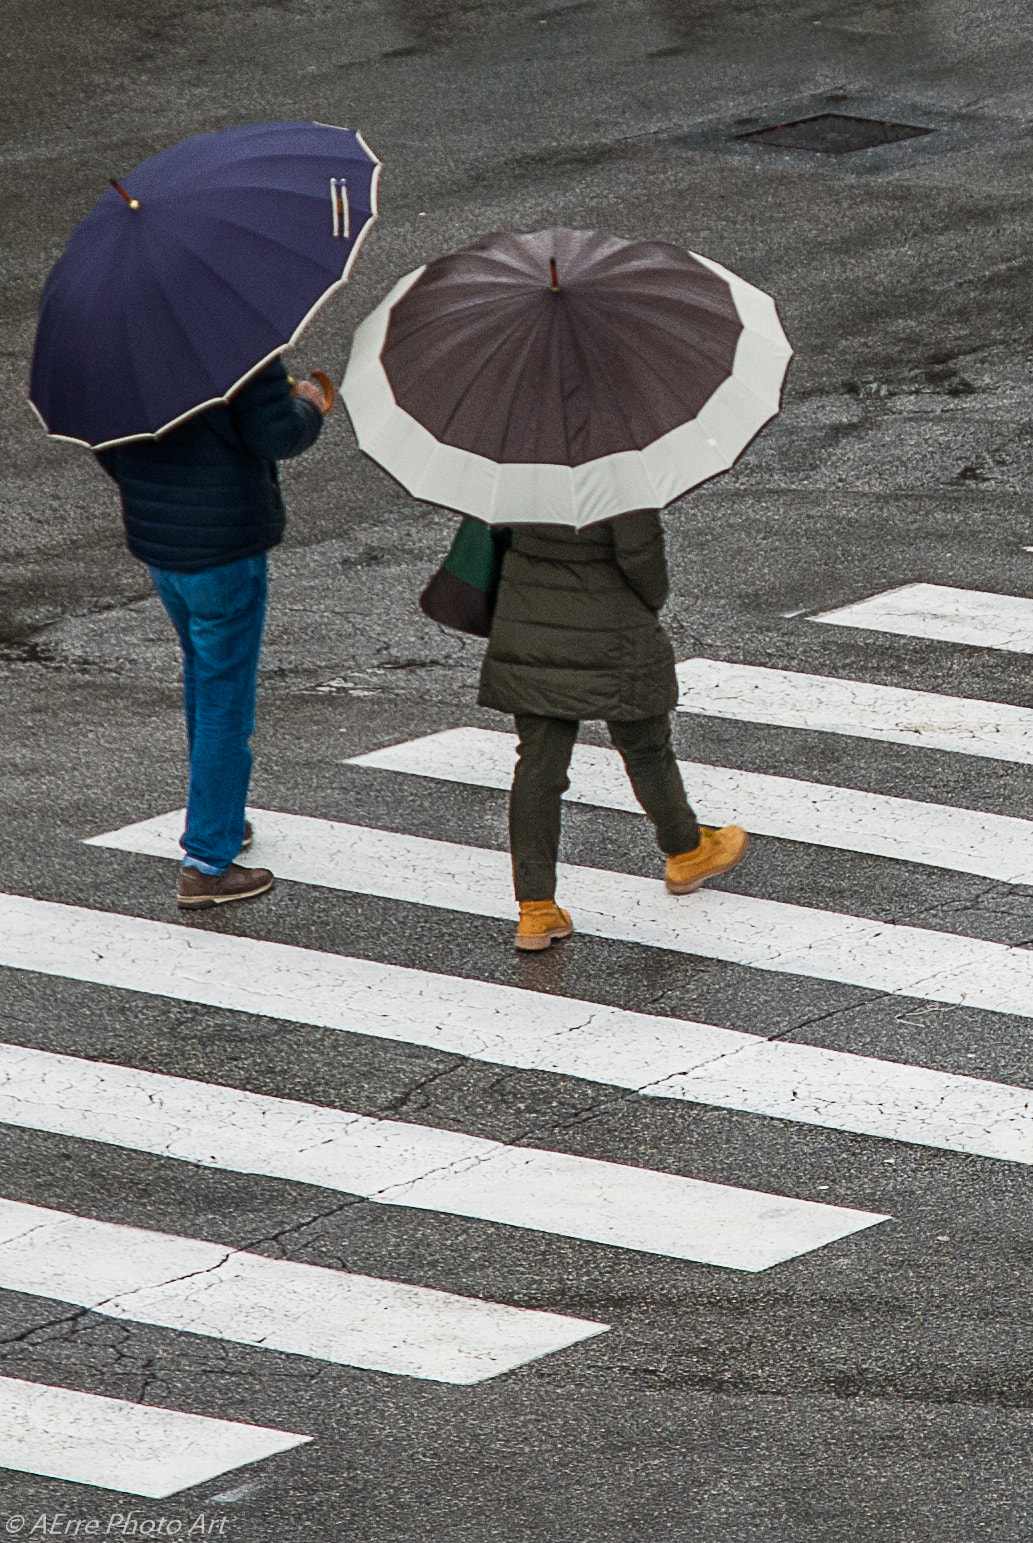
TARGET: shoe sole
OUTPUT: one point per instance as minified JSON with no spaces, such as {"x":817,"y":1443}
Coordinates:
{"x":534,"y":945}
{"x":715,"y":873}
{"x":205,"y":902}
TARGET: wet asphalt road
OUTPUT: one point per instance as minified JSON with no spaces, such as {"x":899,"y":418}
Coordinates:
{"x":877,"y":1389}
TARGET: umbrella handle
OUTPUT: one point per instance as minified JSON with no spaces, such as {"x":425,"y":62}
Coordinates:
{"x":323,"y":379}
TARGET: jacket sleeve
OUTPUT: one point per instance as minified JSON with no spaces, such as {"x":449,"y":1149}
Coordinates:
{"x":638,"y":549}
{"x":272,"y":422}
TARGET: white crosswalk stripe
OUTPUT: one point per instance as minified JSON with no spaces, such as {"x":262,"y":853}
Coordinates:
{"x":211,"y":1289}
{"x":510,"y":1026}
{"x":395,"y":1163}
{"x":949,"y":615}
{"x":740,"y":929}
{"x":192,"y":1285}
{"x":963,"y":840}
{"x":85,"y":1438}
{"x":823,"y":704}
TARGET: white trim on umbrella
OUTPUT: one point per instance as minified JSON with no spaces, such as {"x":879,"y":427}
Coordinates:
{"x":281,"y":348}
{"x":506,"y":493}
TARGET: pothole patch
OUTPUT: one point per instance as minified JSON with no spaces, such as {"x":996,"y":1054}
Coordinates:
{"x":834,"y":134}
{"x":842,"y":132}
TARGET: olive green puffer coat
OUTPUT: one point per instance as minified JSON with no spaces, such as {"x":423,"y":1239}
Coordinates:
{"x":576,"y":632}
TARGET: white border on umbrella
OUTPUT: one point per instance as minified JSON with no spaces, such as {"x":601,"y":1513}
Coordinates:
{"x":281,"y":348}
{"x":513,"y":493}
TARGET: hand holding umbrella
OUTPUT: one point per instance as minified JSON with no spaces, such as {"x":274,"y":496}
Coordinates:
{"x":319,"y":390}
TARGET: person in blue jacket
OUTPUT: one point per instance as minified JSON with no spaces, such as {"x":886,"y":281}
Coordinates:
{"x":202,"y":506}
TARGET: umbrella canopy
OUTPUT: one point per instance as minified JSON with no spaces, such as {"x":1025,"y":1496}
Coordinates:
{"x":564,"y":376}
{"x":196,"y":270}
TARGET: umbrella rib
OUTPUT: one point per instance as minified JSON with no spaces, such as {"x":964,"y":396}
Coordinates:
{"x":614,"y":395}
{"x":243,"y":153}
{"x":518,"y":387}
{"x":237,"y":294}
{"x":129,"y":358}
{"x":635,"y":307}
{"x":469,"y":391}
{"x":181,"y":329}
{"x":52,"y":341}
{"x":280,"y":245}
{"x":202,"y":192}
{"x":649,"y":364}
{"x":629,"y":310}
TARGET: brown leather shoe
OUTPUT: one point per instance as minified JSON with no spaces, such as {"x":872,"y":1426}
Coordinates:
{"x":198,"y":891}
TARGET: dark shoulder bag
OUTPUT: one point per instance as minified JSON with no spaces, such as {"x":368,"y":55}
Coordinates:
{"x":463,"y":592}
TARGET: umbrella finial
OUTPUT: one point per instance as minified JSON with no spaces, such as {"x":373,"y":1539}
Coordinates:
{"x":554,"y":276}
{"x":134,"y":203}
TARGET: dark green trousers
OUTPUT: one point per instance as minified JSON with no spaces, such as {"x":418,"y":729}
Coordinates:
{"x":540,"y":782}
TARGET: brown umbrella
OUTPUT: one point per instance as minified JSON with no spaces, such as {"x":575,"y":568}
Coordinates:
{"x":564,"y":376}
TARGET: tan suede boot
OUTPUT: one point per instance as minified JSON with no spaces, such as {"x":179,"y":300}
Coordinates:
{"x":541,"y":922}
{"x":719,"y":851}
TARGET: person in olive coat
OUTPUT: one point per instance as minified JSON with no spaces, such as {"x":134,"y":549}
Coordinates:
{"x":576,"y":634}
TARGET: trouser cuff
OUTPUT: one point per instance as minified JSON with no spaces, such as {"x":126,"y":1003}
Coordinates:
{"x":195,"y":862}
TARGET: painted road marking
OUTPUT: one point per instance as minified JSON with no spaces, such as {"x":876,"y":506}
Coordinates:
{"x":419,"y":1166}
{"x":963,"y":840}
{"x":739,"y":929}
{"x":893,"y":714}
{"x":136,"y":1448}
{"x":950,"y":615}
{"x":509,"y":1026}
{"x":206,"y":1288}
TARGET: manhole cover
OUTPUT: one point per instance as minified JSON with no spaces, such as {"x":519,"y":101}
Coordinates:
{"x":833,"y":134}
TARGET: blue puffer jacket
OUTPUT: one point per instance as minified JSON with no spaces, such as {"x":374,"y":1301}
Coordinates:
{"x":208,"y":493}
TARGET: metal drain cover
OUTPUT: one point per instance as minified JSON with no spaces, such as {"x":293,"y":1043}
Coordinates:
{"x":833,"y":134}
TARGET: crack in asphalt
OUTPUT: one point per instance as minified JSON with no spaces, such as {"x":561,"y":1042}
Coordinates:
{"x":401,"y":1100}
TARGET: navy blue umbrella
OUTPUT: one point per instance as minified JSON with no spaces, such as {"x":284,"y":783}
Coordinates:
{"x":198,"y":268}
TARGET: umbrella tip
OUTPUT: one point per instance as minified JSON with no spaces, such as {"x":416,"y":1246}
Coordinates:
{"x":554,"y":276}
{"x":134,"y":203}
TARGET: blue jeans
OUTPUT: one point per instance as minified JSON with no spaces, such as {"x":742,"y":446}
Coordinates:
{"x":219,"y":615}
